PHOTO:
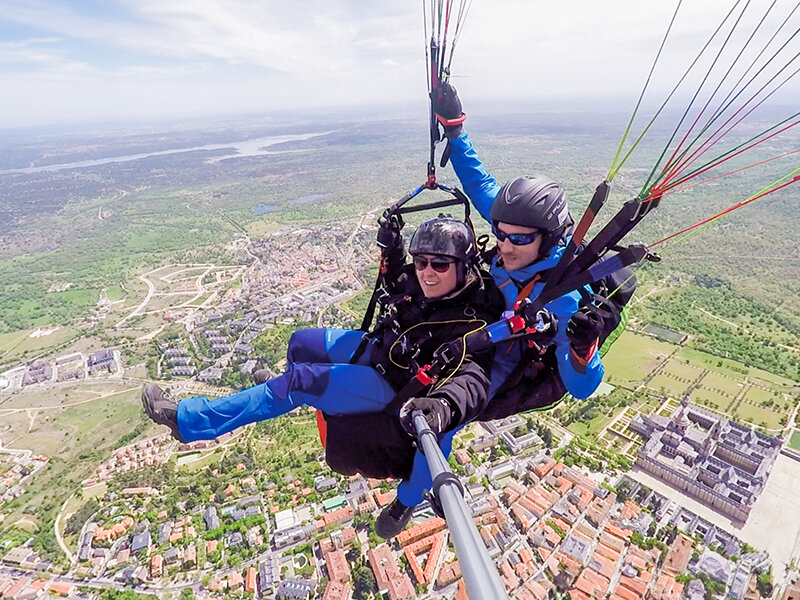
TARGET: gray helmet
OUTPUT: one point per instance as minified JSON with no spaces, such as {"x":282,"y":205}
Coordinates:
{"x":444,"y":236}
{"x":537,"y":202}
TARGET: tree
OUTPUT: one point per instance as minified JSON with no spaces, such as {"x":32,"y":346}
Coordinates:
{"x":764,"y":584}
{"x":363,"y":583}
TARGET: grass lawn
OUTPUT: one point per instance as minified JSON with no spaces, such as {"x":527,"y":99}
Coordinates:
{"x":95,"y":491}
{"x":682,"y":371}
{"x":633,"y":357}
{"x":723,"y":366}
{"x":724,"y":386}
{"x":669,"y":385}
{"x":591,"y":429}
{"x":115,"y":292}
{"x":195,"y":463}
{"x":757,"y":396}
{"x":794,"y":441}
{"x":9,"y":340}
{"x":759,"y":416}
{"x":713,"y":400}
{"x":732,"y":368}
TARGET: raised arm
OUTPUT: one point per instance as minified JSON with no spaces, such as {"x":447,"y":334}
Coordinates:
{"x":476,"y":182}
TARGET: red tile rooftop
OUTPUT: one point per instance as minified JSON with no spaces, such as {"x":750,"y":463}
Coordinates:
{"x":420,"y":531}
{"x":678,"y":556}
{"x":432,"y":546}
{"x":609,"y":553}
{"x":603,"y":565}
{"x":635,"y":584}
{"x":576,"y":594}
{"x":462,"y":457}
{"x":543,"y":553}
{"x":543,"y":468}
{"x":624,"y":534}
{"x":649,"y":556}
{"x":385,"y":499}
{"x":637,"y":562}
{"x":592,"y":583}
{"x":62,"y":588}
{"x":251,"y":580}
{"x":623,"y":593}
{"x":337,"y":590}
{"x":629,"y":511}
{"x":338,"y":515}
{"x":461,"y":591}
{"x":235,"y":580}
{"x":666,"y":588}
{"x":337,"y":565}
{"x":449,"y":573}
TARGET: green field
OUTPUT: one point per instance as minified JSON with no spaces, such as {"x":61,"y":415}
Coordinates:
{"x":794,"y":441}
{"x":722,"y":385}
{"x":76,"y":438}
{"x":759,"y":416}
{"x":668,"y":386}
{"x":19,"y":343}
{"x":721,"y":381}
{"x":633,"y":357}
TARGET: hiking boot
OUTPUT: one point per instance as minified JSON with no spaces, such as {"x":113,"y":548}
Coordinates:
{"x":162,"y":408}
{"x":261,"y":375}
{"x":393,"y":519}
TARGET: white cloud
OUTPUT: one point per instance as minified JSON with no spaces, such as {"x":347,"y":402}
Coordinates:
{"x":273,"y":54}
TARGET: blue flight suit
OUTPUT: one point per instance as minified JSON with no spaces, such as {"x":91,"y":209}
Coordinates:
{"x":317,"y":374}
{"x":581,"y":380}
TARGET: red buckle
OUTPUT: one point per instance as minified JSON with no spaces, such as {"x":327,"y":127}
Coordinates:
{"x":516,"y":323}
{"x":423,"y":377}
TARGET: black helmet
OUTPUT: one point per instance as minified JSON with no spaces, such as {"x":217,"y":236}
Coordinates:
{"x":444,"y":236}
{"x":537,"y":202}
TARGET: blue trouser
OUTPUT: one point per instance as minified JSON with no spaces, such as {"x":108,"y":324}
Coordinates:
{"x":317,"y":374}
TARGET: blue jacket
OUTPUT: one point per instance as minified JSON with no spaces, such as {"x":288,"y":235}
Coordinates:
{"x":580,"y":380}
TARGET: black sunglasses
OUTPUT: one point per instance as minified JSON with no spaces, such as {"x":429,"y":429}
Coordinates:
{"x":518,"y":239}
{"x":440,"y":265}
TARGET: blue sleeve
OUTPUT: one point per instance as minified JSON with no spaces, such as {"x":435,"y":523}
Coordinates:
{"x":476,"y":182}
{"x":581,"y":381}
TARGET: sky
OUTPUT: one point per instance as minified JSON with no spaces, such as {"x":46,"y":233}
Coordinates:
{"x":67,"y":61}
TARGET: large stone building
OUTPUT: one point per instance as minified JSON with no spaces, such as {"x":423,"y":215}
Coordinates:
{"x":717,"y":461}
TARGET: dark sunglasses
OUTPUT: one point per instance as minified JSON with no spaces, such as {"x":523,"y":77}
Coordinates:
{"x":518,"y":239}
{"x":440,"y":265}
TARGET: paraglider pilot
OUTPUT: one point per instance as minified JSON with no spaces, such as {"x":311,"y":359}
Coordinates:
{"x":441,"y":296}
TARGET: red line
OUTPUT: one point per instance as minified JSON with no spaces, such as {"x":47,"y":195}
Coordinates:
{"x":709,"y":143}
{"x":795,"y":179}
{"x":676,"y":187}
{"x":664,"y":188}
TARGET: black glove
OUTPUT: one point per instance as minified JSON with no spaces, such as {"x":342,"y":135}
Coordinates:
{"x":583,"y":331}
{"x":389,"y":235}
{"x":545,"y":323}
{"x":437,"y":413}
{"x":447,"y":107}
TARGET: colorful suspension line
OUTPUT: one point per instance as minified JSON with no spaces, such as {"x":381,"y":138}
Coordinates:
{"x":439,"y":50}
{"x":780,"y":184}
{"x":683,"y":157}
{"x":675,"y":174}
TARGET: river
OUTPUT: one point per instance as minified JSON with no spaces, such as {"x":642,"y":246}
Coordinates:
{"x":240,"y":149}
